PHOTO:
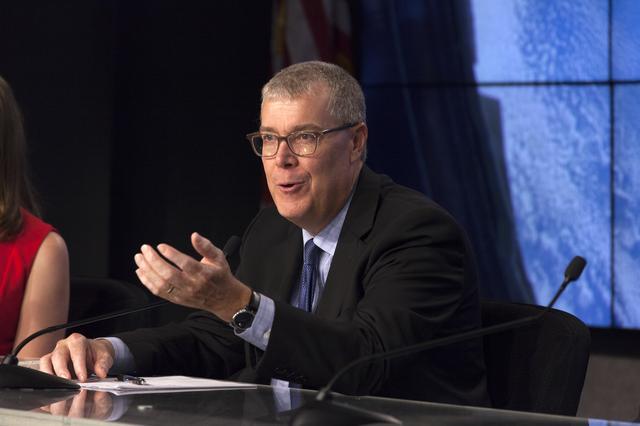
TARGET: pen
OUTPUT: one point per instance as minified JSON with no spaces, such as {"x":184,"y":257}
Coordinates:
{"x":131,"y":379}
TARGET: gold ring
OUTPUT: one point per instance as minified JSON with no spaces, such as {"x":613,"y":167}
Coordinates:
{"x":171,"y":288}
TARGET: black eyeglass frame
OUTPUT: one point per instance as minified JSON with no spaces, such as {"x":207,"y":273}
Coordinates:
{"x":317,"y":136}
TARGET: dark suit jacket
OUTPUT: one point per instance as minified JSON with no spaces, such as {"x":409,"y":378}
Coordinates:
{"x":402,"y":273}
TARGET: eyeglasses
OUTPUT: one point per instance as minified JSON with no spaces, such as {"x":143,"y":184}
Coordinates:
{"x":302,"y":143}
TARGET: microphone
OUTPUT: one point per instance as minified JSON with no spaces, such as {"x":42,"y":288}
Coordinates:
{"x":16,"y":377}
{"x":323,"y":411}
{"x":572,"y":273}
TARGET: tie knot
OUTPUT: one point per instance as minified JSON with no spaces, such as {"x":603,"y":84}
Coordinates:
{"x":311,"y":251}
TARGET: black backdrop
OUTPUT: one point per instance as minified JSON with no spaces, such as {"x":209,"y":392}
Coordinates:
{"x":136,"y":113}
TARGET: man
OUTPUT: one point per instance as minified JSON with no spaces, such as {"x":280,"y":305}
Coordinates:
{"x":382,"y":268}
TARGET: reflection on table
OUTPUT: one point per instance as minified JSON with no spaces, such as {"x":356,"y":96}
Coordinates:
{"x":241,"y":406}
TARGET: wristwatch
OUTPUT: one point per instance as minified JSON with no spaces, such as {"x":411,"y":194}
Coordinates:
{"x":243,"y":319}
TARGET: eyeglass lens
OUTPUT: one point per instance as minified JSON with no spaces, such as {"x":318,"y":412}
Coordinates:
{"x":300,"y":143}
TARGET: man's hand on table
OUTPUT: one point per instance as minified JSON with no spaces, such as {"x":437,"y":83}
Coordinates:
{"x":76,"y":356}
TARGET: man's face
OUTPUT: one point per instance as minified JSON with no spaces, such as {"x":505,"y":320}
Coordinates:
{"x":310,"y":191}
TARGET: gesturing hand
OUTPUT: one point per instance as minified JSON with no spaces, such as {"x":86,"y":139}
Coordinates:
{"x":206,"y":284}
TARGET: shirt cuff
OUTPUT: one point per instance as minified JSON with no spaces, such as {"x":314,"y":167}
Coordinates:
{"x":123,"y":361}
{"x":260,"y":330}
{"x":119,"y":406}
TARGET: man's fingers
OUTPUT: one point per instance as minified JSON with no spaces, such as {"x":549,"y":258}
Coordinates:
{"x":149,"y":277}
{"x":159,"y":265}
{"x":186,"y":263}
{"x":205,"y":248}
{"x":102,"y":367}
{"x":60,"y":360}
{"x":103,"y":358}
{"x":45,"y":364}
{"x":165,"y":272}
{"x":154,"y":285}
{"x":84,"y":355}
{"x":80,"y":355}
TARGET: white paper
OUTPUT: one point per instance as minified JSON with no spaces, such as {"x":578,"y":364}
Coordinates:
{"x":161,"y":384}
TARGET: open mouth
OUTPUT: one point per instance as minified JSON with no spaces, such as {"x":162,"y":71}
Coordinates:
{"x":288,"y":186}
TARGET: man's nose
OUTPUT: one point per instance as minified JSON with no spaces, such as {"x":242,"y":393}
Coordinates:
{"x":284,"y":156}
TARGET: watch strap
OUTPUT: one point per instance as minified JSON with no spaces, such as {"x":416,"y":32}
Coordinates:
{"x":243,"y":319}
{"x":254,"y":302}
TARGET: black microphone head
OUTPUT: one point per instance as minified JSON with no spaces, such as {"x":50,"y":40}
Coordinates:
{"x":575,"y":268}
{"x":232,"y":245}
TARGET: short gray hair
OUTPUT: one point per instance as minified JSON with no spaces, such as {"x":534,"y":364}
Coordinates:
{"x":346,"y":100}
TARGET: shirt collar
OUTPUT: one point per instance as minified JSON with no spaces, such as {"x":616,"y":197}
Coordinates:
{"x":327,"y":238}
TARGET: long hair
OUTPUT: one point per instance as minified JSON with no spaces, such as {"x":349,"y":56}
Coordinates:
{"x":15,"y":188}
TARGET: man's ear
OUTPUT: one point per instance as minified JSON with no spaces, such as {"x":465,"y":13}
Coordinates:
{"x":359,"y":143}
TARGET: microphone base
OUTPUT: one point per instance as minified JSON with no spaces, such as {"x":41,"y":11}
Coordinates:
{"x":16,"y":377}
{"x":337,"y":414}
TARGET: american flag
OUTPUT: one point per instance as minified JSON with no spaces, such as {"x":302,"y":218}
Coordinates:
{"x":305,"y":30}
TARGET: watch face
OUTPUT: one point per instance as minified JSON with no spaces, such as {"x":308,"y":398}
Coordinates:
{"x":243,"y":319}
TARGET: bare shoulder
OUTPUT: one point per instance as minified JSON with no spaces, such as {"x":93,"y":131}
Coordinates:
{"x":51,"y":264}
{"x":53,"y":248}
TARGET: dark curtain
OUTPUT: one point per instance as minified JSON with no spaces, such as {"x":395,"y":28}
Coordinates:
{"x":432,"y":130}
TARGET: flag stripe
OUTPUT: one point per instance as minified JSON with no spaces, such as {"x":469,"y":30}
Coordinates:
{"x":320,"y":26}
{"x":300,"y":40}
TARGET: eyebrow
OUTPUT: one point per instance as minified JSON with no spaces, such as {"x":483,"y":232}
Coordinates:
{"x":297,"y":128}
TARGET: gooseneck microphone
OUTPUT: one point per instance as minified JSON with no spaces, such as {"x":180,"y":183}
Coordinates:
{"x":13,"y":359}
{"x":16,"y":377}
{"x":323,"y":411}
{"x":572,"y":273}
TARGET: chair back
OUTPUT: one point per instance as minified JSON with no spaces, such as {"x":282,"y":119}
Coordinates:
{"x":96,"y":296}
{"x":540,"y":367}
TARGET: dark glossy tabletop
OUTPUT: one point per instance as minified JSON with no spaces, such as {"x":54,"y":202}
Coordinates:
{"x":243,"y":406}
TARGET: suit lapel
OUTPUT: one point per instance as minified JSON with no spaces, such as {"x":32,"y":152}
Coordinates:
{"x":357,"y":224}
{"x":290,"y":254}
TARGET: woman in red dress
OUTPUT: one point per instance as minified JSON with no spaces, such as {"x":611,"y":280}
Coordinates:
{"x":34,"y":264}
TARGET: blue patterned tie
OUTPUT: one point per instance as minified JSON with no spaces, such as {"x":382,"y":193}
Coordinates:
{"x":309,"y":262}
{"x":305,"y":299}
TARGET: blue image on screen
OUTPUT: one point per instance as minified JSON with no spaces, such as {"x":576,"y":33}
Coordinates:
{"x":557,"y":152}
{"x":554,"y":137}
{"x":540,"y":40}
{"x":626,"y":39}
{"x":627,"y":207}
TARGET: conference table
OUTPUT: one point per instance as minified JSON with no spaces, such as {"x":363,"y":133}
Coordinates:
{"x":247,"y":406}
